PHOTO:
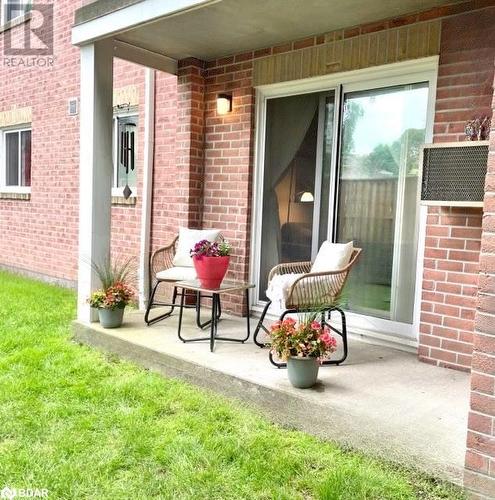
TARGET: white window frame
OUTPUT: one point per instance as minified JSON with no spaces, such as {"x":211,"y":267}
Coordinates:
{"x":4,"y":3}
{"x":119,"y":191}
{"x":424,"y":69}
{"x":3,"y":159}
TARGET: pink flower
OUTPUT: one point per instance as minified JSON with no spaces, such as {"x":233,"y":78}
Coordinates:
{"x":316,"y":326}
{"x":328,"y":340}
{"x":289,"y":322}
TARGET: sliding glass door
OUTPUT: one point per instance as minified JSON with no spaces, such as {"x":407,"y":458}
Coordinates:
{"x":342,"y":165}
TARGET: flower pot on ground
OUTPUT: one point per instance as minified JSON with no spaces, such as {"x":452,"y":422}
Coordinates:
{"x":115,"y":294}
{"x":302,"y":372}
{"x":302,"y":345}
{"x":111,"y":318}
{"x":211,"y":261}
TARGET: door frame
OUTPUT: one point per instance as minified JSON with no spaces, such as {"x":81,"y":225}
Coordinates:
{"x":413,"y":71}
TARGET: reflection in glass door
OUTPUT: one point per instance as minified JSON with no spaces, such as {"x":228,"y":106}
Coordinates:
{"x":382,"y":132}
{"x":295,"y":179}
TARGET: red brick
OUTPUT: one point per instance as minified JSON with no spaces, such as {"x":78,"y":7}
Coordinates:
{"x":481,"y":442}
{"x":306,"y":42}
{"x":482,"y":362}
{"x":476,"y":461}
{"x":459,"y":347}
{"x":485,"y":323}
{"x":442,"y":355}
{"x":481,"y":382}
{"x":448,"y":288}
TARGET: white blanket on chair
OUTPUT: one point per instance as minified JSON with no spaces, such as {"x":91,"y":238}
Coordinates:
{"x":278,"y":288}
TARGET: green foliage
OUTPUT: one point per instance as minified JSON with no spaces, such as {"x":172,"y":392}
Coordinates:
{"x":224,"y":248}
{"x":115,"y":296}
{"x":85,"y":425}
{"x":111,"y":272}
{"x":385,"y":159}
{"x":353,"y":111}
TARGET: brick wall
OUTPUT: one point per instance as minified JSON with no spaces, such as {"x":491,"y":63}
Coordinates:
{"x":480,"y":456}
{"x":228,"y":161}
{"x":190,"y":141}
{"x":40,"y":234}
{"x":164,"y":215}
{"x":464,"y":91}
{"x":449,"y":286}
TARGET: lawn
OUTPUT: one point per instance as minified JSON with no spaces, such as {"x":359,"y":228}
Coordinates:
{"x":84,"y":425}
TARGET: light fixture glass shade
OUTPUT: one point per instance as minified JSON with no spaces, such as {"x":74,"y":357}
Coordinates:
{"x":307,"y":197}
{"x":224,"y":104}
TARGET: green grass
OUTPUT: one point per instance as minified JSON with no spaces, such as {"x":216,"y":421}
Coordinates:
{"x":85,"y":425}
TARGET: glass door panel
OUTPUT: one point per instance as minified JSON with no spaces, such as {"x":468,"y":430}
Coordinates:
{"x":382,"y":132}
{"x":295,"y":184}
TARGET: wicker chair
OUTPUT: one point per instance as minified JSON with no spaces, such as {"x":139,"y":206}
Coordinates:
{"x":312,"y":292}
{"x":161,"y":271}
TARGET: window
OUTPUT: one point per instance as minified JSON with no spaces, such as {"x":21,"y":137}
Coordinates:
{"x":125,"y":148}
{"x":11,"y":9}
{"x":16,"y":153}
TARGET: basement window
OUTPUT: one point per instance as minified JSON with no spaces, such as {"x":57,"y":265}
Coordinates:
{"x":16,"y":160}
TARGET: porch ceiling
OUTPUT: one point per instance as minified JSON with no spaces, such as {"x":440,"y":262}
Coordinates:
{"x":214,"y":29}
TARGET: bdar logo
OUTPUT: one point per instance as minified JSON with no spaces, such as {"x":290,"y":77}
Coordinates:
{"x":7,"y":493}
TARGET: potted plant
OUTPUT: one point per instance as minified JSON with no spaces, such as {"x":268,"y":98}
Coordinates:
{"x":114,"y":294}
{"x":302,"y":345}
{"x":211,"y":261}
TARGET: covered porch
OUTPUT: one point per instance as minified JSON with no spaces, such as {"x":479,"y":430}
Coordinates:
{"x":381,"y":401}
{"x":217,"y":181}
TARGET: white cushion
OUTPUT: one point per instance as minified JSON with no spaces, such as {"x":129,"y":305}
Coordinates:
{"x":332,"y":256}
{"x":177,"y":274}
{"x":279,"y":286}
{"x":187,"y":239}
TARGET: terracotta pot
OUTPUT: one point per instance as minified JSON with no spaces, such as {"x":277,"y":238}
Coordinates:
{"x":211,"y":270}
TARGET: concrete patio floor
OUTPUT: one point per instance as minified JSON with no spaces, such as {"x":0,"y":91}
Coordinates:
{"x":381,"y":401}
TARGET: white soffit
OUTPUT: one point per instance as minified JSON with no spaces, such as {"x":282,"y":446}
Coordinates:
{"x":211,"y":29}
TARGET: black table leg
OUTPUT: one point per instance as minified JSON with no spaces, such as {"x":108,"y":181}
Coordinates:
{"x":213,"y":322}
{"x":181,"y":311}
{"x":214,"y":319}
{"x":248,"y":316}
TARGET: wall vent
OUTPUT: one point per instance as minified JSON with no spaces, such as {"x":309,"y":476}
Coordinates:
{"x":453,"y":174}
{"x":73,"y":106}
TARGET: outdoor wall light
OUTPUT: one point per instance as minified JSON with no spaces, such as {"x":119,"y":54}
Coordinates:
{"x":224,"y":104}
{"x":307,"y":197}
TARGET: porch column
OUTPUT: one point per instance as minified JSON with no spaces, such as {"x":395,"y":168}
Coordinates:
{"x":95,"y":169}
{"x":190,"y":141}
{"x":479,"y":477}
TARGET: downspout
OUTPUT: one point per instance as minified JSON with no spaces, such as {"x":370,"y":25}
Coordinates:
{"x":147,"y":191}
